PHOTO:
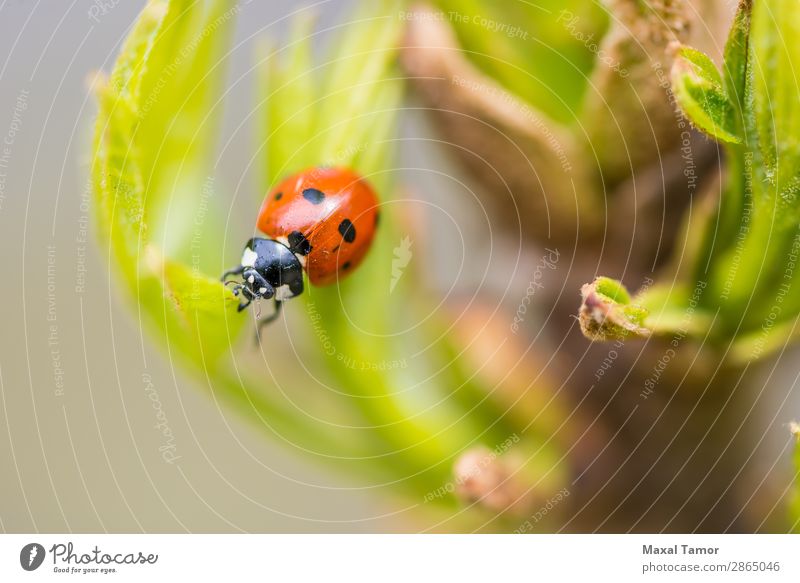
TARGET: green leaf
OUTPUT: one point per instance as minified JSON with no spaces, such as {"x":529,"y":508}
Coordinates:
{"x":673,"y":309}
{"x":736,"y":65}
{"x":180,"y":112}
{"x":612,"y":290}
{"x":759,"y":214}
{"x":754,"y":107}
{"x":767,"y":340}
{"x":153,"y":145}
{"x":699,"y":90}
{"x":607,"y":312}
{"x":737,"y":192}
{"x":775,"y":67}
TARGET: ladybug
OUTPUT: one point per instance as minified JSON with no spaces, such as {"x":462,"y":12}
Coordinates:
{"x":321,"y":220}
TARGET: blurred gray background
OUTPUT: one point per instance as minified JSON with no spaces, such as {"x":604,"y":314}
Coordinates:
{"x":79,"y":450}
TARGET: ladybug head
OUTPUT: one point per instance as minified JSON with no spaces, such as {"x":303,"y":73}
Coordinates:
{"x":268,"y":269}
{"x":254,"y":286}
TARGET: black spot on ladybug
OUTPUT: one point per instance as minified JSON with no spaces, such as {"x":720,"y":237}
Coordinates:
{"x":313,"y":195}
{"x":347,"y":230}
{"x":279,"y":196}
{"x":346,"y":265}
{"x":298,"y":243}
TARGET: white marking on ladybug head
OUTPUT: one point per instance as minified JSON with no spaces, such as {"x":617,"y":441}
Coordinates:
{"x":262,"y":290}
{"x":251,"y":279}
{"x":249,"y":258}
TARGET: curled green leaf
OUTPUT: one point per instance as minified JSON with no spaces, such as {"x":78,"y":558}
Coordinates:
{"x":607,"y":313}
{"x":150,"y":149}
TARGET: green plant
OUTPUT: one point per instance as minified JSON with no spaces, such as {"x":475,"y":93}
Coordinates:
{"x":399,"y":425}
{"x":732,"y":286}
{"x":727,"y":288}
{"x":403,"y":395}
{"x":540,"y":51}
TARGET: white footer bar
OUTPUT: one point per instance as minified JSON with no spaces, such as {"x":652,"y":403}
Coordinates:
{"x":401,"y":558}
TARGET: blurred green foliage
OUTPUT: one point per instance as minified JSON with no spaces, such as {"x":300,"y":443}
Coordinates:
{"x":153,"y":174}
{"x":543,"y":52}
{"x":739,"y":268}
{"x":751,"y":245}
{"x":421,"y":415}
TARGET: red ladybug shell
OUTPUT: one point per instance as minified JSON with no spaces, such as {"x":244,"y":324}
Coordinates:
{"x":327,"y":214}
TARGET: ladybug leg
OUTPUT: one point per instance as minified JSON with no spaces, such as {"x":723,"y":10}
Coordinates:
{"x":235,"y":271}
{"x":241,"y":290}
{"x":269,"y":319}
{"x":242,"y":306}
{"x":237,"y":287}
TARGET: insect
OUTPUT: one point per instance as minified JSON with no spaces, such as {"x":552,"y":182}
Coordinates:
{"x":320,"y":221}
